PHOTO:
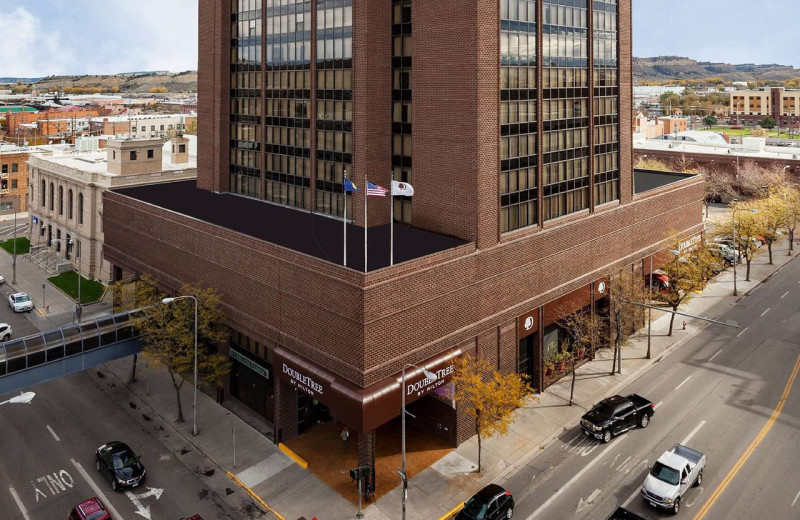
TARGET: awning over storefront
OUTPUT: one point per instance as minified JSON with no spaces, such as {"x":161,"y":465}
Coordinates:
{"x":362,"y":409}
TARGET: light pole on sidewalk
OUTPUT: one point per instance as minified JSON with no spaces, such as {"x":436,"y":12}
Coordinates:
{"x":736,"y":245}
{"x":14,"y":259}
{"x":650,"y":311}
{"x":431,"y":377}
{"x":194,"y":412}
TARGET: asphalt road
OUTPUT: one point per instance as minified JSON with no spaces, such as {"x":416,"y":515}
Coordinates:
{"x":47,"y":463}
{"x":717,"y":394}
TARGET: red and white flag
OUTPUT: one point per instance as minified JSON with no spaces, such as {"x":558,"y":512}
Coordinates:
{"x":376,"y":190}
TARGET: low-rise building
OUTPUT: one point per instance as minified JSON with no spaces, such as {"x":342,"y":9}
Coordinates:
{"x":13,"y":178}
{"x":67,"y":187}
{"x":752,"y":106}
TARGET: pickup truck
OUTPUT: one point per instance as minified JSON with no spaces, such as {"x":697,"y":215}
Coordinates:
{"x":615,"y":415}
{"x":671,"y":476}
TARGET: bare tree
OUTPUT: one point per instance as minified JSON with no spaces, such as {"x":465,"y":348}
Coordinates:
{"x":718,"y":183}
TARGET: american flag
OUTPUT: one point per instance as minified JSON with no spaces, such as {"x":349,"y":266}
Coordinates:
{"x":376,"y":190}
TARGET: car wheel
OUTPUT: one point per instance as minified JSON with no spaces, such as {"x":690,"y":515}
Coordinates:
{"x":114,"y":485}
{"x":6,"y":337}
{"x":644,"y":421}
{"x":699,"y":479}
{"x":510,"y":512}
{"x":676,"y":507}
{"x":607,"y":436}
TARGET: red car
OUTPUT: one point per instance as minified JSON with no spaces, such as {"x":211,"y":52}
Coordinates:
{"x":195,"y":517}
{"x":91,"y":509}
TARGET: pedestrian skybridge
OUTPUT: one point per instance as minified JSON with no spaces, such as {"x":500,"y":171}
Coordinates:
{"x":35,"y":359}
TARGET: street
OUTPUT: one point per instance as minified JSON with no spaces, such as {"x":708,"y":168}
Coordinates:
{"x":719,"y":394}
{"x":48,"y":464}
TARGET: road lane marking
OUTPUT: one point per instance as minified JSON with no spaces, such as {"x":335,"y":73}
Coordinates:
{"x":578,"y":475}
{"x":96,"y":489}
{"x":743,"y":331}
{"x":795,"y":498}
{"x":753,"y":445}
{"x":683,"y":382}
{"x":717,"y":354}
{"x":689,"y":437}
{"x":766,"y":311}
{"x":24,"y":511}
{"x":657,"y":404}
{"x":784,"y":295}
{"x":619,"y":468}
{"x":53,"y":433}
{"x":586,"y":504}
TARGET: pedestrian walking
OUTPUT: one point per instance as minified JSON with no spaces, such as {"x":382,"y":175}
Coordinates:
{"x":345,"y":437}
{"x":684,"y":324}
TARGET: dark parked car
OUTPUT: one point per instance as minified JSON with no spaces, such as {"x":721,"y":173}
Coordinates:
{"x":91,"y":509}
{"x":623,"y":514}
{"x":120,"y":465}
{"x":617,"y":414}
{"x":490,"y":503}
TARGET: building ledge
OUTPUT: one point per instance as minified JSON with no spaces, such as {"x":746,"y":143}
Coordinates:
{"x":647,"y":180}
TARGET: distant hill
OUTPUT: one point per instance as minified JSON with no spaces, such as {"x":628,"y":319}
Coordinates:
{"x":663,"y":68}
{"x":131,"y":82}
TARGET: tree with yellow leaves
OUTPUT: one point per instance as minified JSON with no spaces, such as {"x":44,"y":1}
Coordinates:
{"x":748,"y":228}
{"x":772,"y":216}
{"x":488,"y":396}
{"x":790,"y":194}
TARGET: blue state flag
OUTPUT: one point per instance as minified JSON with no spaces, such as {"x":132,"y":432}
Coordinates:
{"x":349,"y":186}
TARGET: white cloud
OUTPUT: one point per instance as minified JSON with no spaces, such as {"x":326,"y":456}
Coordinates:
{"x":30,"y":49}
{"x":88,"y":37}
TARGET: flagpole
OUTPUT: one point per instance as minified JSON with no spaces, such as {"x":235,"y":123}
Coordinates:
{"x":391,"y":221}
{"x":366,"y":197}
{"x":344,"y":220}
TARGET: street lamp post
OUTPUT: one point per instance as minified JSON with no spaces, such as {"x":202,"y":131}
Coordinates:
{"x":194,"y":413}
{"x":14,"y":259}
{"x":736,"y":244}
{"x":23,"y":398}
{"x":430,"y":376}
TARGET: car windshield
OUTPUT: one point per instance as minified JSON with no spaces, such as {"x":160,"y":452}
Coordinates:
{"x":665,"y":473}
{"x":97,"y":515}
{"x":23,"y":298}
{"x":475,"y":509}
{"x":123,"y":460}
{"x":603,"y":410}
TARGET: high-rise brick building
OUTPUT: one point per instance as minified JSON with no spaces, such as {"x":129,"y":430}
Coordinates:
{"x":511,"y":121}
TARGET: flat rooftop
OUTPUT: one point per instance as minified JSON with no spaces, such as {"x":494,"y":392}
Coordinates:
{"x":312,"y":234}
{"x":646,"y":180}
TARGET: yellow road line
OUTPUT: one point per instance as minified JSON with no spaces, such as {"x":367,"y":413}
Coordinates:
{"x":292,"y":455}
{"x":753,"y":445}
{"x":254,"y":496}
{"x":453,"y":511}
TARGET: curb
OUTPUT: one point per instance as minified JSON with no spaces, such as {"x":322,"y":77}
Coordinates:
{"x":254,"y":496}
{"x":449,"y":514}
{"x":292,"y":455}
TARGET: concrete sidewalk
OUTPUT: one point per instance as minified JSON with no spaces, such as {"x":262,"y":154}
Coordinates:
{"x":295,"y":493}
{"x":52,"y":308}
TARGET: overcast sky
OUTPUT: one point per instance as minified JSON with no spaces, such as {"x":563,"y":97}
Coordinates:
{"x":46,"y":37}
{"x":55,"y":37}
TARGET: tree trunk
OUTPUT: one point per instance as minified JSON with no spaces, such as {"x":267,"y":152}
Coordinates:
{"x":791,"y":241}
{"x":133,"y":370}
{"x":572,"y":387}
{"x":672,"y":319}
{"x":478,"y":429}
{"x":177,"y":388}
{"x":747,"y":277}
{"x":769,"y":248}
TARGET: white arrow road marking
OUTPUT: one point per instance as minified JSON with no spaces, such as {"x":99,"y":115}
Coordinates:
{"x":798,"y":493}
{"x":578,"y":475}
{"x":619,"y":468}
{"x":140,"y":509}
{"x":96,"y":489}
{"x":689,"y":437}
{"x":584,"y":505}
{"x":24,"y":511}
{"x":53,"y":433}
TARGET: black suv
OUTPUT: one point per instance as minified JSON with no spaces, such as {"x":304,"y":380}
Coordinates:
{"x":490,"y":503}
{"x":120,"y":465}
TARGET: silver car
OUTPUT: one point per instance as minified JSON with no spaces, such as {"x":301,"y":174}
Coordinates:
{"x":20,"y":302}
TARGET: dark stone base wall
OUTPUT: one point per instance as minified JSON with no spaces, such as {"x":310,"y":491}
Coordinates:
{"x":285,"y":411}
{"x":366,"y":457}
{"x":435,"y":417}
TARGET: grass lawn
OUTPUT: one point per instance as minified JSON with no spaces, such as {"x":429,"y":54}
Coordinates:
{"x":91,"y":291}
{"x":23,"y":245}
{"x":747,"y":132}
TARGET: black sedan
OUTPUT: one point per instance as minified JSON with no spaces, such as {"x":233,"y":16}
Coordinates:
{"x":490,"y":503}
{"x":120,"y":465}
